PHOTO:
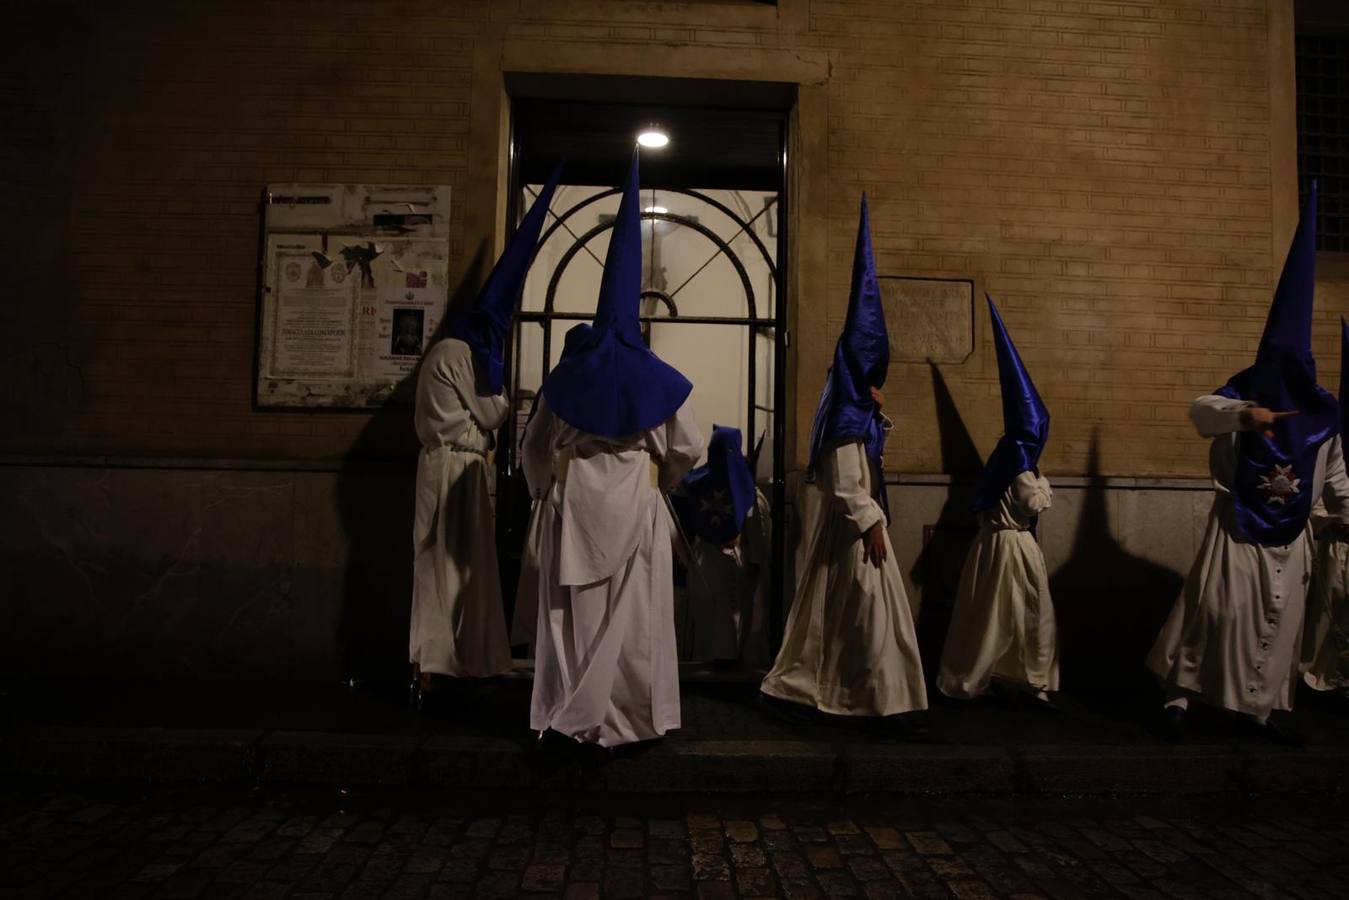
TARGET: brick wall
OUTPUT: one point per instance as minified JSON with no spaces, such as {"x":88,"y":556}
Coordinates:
{"x":1102,"y":168}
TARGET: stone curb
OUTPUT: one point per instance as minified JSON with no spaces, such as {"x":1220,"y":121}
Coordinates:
{"x":676,"y":767}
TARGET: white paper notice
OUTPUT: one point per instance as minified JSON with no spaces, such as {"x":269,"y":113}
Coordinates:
{"x":314,"y":314}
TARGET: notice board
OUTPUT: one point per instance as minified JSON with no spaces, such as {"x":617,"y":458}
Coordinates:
{"x":353,"y":289}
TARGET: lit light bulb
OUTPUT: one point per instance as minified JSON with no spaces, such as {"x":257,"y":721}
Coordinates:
{"x":653,"y":137}
{"x":658,"y":210}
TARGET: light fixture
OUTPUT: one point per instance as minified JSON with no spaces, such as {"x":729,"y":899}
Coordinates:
{"x":658,"y":210}
{"x":653,"y":137}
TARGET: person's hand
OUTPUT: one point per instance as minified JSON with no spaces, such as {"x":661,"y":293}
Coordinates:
{"x":1258,"y":418}
{"x":877,"y":397}
{"x":873,"y":544}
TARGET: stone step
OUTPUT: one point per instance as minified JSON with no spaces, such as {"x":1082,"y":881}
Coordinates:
{"x":674,"y":766}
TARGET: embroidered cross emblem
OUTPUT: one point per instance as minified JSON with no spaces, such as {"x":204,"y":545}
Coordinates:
{"x":716,"y":506}
{"x":1279,"y":484}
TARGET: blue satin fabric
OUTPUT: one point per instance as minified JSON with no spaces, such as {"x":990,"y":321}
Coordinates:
{"x":1025,"y":421}
{"x":861,"y":361}
{"x":613,"y":385}
{"x":487,"y":325}
{"x":717,"y":497}
{"x":1272,"y":506}
{"x":577,"y":337}
{"x":574,"y":339}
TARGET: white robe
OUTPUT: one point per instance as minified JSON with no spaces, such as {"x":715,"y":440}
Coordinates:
{"x":1003,"y":621}
{"x":458,"y":624}
{"x":605,"y":661}
{"x":1234,"y":634}
{"x":1325,"y":646}
{"x":849,"y":647}
{"x":525,"y":620}
{"x":727,"y":594}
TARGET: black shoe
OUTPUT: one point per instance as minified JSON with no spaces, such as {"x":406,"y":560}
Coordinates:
{"x":901,"y":726}
{"x":1033,"y":701}
{"x":555,"y":744}
{"x":1282,"y":733}
{"x":592,"y":756}
{"x":788,"y":712}
{"x":1173,"y":724}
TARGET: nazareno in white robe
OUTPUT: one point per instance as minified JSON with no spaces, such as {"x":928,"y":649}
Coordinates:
{"x":458,"y":624}
{"x":1325,"y":645}
{"x":605,"y":661}
{"x":1234,"y":634}
{"x":727,"y":594}
{"x":849,"y":647}
{"x":1002,"y":625}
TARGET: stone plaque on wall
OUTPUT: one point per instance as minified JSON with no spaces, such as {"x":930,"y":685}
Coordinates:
{"x":929,"y":318}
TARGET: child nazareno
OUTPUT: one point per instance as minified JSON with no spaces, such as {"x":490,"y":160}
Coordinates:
{"x":1232,"y":639}
{"x":850,"y":647}
{"x":726,"y":520}
{"x":1002,"y":626}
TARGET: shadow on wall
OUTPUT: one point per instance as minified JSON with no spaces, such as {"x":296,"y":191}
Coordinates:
{"x":947,"y":542}
{"x":1110,"y":604}
{"x":376,"y":493}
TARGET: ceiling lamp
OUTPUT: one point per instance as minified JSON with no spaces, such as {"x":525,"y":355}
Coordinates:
{"x":653,"y":137}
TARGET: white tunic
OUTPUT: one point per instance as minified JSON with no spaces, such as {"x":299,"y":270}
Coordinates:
{"x":458,"y":624}
{"x":727,"y":591}
{"x":1325,"y":646}
{"x":1233,"y":635}
{"x":1003,"y":621}
{"x":606,"y":668}
{"x":849,"y":646}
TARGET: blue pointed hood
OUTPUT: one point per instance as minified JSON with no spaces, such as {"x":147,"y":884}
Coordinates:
{"x":486,"y":326}
{"x":1025,"y":420}
{"x":861,"y":360}
{"x":575,"y":339}
{"x":1271,"y":487}
{"x":756,"y":452}
{"x":716,"y":497}
{"x":613,"y":385}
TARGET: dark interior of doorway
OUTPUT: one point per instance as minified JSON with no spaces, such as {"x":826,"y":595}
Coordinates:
{"x":725,"y":134}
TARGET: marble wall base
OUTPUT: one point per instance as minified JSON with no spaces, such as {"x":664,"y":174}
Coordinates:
{"x":225,"y":571}
{"x":153,"y":572}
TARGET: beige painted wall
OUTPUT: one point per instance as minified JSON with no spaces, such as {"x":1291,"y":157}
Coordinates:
{"x":1116,"y":174}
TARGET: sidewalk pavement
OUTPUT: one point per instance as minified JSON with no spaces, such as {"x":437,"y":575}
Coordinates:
{"x":476,"y":738}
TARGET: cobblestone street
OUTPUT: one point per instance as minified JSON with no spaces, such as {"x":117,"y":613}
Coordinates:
{"x":189,"y":843}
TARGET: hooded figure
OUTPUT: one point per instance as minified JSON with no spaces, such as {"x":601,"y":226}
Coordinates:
{"x":1325,"y":647}
{"x":610,"y":432}
{"x":1269,"y":508}
{"x":485,"y":327}
{"x":1002,"y":623}
{"x":1233,"y":636}
{"x":849,"y":647}
{"x":716,"y":497}
{"x":847,"y":411}
{"x":1025,"y":421}
{"x":726,"y":520}
{"x":613,"y":385}
{"x":458,"y":625}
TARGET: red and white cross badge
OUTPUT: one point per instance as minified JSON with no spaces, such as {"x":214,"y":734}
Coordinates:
{"x":1279,"y":484}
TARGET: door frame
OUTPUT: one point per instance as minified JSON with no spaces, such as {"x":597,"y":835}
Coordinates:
{"x":488,"y":206}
